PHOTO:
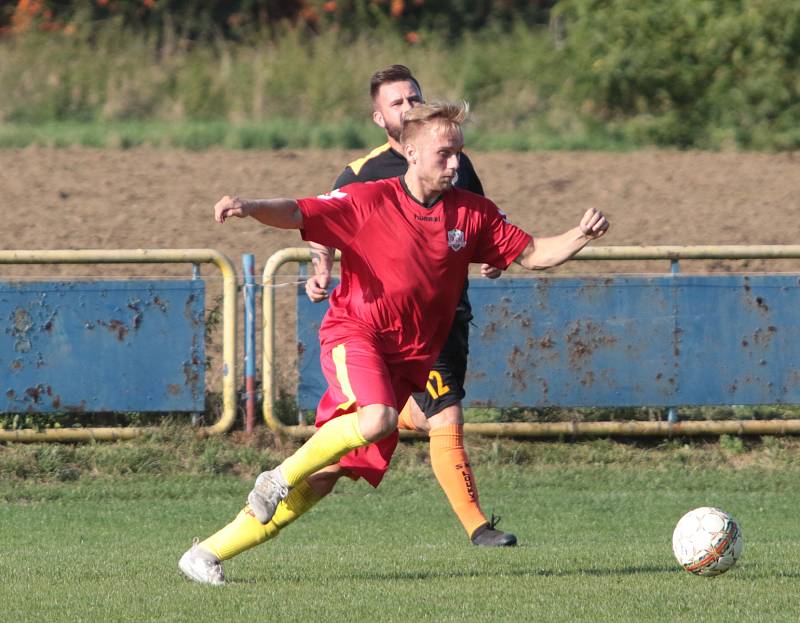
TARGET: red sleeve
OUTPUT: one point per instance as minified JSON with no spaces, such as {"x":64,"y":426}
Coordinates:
{"x":334,"y":219}
{"x":499,"y":241}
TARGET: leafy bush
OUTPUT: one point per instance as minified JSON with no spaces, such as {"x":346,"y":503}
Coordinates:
{"x":604,"y":73}
{"x":687,"y":73}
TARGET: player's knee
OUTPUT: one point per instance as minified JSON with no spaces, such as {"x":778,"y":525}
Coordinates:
{"x":449,"y":416}
{"x":418,"y":418}
{"x":377,"y":421}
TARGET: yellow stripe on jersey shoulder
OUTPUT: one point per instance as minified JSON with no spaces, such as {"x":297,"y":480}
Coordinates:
{"x":357,"y":165}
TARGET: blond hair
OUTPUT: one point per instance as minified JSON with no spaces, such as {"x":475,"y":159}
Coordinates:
{"x":447,"y":116}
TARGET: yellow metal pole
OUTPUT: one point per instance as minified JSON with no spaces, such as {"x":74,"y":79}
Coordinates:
{"x":549,"y":430}
{"x":276,"y":260}
{"x":229,"y":360}
{"x":146,"y":256}
{"x":72,"y":434}
{"x":707,"y":252}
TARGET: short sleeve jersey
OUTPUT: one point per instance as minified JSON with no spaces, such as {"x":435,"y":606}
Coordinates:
{"x":404,"y":265}
{"x":384,"y":162}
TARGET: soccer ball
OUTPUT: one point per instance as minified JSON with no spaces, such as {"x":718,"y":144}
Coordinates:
{"x":707,"y":541}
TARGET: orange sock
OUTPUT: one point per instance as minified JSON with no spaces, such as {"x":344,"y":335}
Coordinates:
{"x":451,"y":466}
{"x":404,"y":421}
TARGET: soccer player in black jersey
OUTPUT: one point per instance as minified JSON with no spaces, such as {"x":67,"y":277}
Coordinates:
{"x":438,"y":410}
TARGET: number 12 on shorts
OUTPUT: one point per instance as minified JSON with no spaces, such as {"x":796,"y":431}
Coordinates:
{"x":435,"y":386}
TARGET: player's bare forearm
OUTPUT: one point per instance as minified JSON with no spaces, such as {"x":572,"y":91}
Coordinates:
{"x":542,"y":253}
{"x":547,"y":252}
{"x":281,"y":213}
{"x":321,"y":258}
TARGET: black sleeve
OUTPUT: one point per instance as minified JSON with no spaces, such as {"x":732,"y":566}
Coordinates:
{"x":467,"y":177}
{"x":345,"y":177}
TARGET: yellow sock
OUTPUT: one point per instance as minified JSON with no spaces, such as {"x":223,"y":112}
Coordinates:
{"x":300,"y":500}
{"x":332,"y":441}
{"x":451,"y":466}
{"x":246,"y":531}
{"x":239,"y":535}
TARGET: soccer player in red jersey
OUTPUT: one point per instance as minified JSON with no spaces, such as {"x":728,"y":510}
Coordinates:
{"x":406,"y":248}
{"x":437,"y":410}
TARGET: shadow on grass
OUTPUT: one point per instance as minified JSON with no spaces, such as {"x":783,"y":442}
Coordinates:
{"x":395,"y":575}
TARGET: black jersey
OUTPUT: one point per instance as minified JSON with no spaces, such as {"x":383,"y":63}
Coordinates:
{"x":384,"y":162}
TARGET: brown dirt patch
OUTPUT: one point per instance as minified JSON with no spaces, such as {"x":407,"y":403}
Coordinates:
{"x":154,"y":198}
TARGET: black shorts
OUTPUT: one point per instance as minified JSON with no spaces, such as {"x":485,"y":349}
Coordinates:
{"x":445,"y":386}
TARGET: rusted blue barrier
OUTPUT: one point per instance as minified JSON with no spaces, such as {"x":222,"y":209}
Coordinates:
{"x":621,"y":340}
{"x":102,"y":346}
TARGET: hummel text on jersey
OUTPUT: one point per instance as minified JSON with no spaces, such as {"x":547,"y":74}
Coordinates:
{"x":432,"y":219}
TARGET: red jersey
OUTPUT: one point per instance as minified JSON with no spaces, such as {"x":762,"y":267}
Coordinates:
{"x":404,"y":264}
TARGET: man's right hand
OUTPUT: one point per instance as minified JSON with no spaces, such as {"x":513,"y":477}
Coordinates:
{"x":230,"y":206}
{"x":317,"y":287}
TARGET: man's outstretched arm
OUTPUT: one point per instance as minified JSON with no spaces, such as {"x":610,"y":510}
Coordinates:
{"x":281,"y":213}
{"x":548,"y":252}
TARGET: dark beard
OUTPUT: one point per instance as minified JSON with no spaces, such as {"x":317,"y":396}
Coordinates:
{"x":394,"y":132}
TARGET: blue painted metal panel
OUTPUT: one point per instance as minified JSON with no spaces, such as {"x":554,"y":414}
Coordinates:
{"x":102,"y":346}
{"x":625,"y":340}
{"x":571,"y":342}
{"x":311,"y":383}
{"x":750,"y":325}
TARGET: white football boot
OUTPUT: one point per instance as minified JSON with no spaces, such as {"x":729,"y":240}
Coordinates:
{"x":267,"y":493}
{"x":202,"y":566}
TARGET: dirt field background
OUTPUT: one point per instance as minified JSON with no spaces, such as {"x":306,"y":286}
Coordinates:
{"x":82,"y":198}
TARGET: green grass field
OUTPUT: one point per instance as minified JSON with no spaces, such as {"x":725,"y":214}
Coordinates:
{"x":278,"y":134}
{"x":594,"y":522}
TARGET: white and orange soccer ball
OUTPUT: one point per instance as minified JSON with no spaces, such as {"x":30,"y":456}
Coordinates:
{"x":707,"y":541}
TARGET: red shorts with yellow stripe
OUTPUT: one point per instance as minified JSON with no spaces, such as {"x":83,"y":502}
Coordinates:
{"x":357,"y":376}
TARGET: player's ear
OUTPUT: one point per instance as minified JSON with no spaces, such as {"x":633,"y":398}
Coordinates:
{"x":410,"y":152}
{"x":377,"y":117}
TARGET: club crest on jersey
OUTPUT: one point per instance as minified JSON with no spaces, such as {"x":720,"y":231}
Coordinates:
{"x":456,"y":240}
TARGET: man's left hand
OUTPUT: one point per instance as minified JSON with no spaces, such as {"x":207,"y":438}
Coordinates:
{"x":490,"y":272}
{"x":593,"y":224}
